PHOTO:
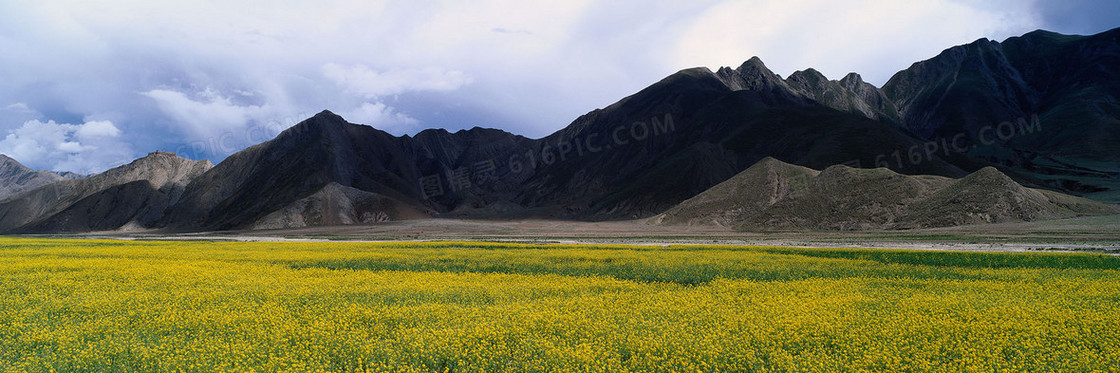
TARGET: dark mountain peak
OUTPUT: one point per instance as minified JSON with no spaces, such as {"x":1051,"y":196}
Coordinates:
{"x":691,"y":78}
{"x":1113,"y":33}
{"x":327,"y":118}
{"x":1041,"y":35}
{"x":475,"y":130}
{"x":869,"y":93}
{"x":850,"y":94}
{"x":952,"y":57}
{"x":430,"y":133}
{"x":1059,"y":50}
{"x":981,"y":43}
{"x":685,"y":79}
{"x":442,"y":135}
{"x":697,"y":71}
{"x":752,"y":76}
{"x":753,"y":64}
{"x":327,"y":114}
{"x":323,"y":123}
{"x":980,"y":47}
{"x":484,"y":132}
{"x":433,"y":131}
{"x":975,"y":78}
{"x":959,"y":52}
{"x":852,"y":79}
{"x":1044,"y":33}
{"x":809,"y":76}
{"x":724,"y":71}
{"x":324,"y":119}
{"x":755,"y":68}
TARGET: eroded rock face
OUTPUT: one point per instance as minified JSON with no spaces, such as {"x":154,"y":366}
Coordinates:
{"x":339,"y":205}
{"x":776,"y":195}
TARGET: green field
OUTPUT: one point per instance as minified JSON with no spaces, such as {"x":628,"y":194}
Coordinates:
{"x":125,"y":306}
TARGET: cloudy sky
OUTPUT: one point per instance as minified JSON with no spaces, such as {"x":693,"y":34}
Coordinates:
{"x":87,"y":85}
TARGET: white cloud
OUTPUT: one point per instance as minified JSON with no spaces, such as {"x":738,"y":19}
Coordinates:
{"x":90,"y":147}
{"x":208,"y":116}
{"x":382,"y":117}
{"x":74,"y":147}
{"x":361,"y":80}
{"x":97,"y":129}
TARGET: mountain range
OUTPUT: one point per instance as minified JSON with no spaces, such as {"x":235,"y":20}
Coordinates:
{"x":132,"y":196}
{"x":1035,"y":116}
{"x":15,"y":177}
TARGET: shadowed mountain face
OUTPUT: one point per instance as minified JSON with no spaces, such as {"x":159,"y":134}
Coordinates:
{"x":16,"y":178}
{"x":777,"y":195}
{"x":1041,"y":107}
{"x":327,"y":171}
{"x":1044,"y":107}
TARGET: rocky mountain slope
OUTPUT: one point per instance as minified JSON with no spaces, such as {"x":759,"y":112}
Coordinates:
{"x":729,"y":203}
{"x":777,"y":195}
{"x":129,"y":196}
{"x":16,"y":178}
{"x":1044,"y":107}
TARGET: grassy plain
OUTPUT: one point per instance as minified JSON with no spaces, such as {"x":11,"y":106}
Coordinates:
{"x":122,"y":306}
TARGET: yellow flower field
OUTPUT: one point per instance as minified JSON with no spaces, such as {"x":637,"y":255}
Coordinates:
{"x":125,"y":306}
